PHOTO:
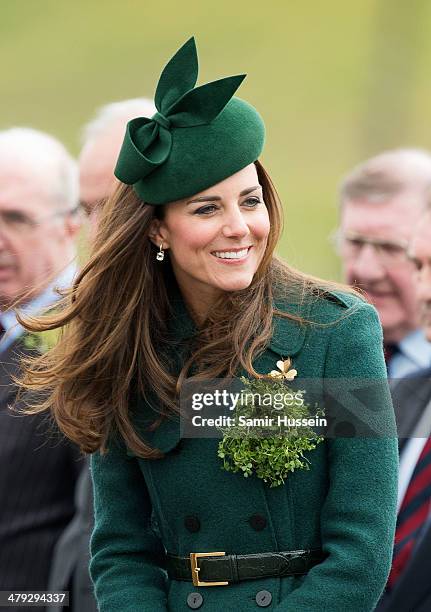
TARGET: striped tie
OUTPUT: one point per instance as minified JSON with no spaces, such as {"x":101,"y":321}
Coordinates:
{"x":412,"y":514}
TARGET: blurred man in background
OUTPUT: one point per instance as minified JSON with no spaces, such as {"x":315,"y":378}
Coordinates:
{"x":103,"y":138}
{"x":102,"y":141}
{"x":381,"y":201}
{"x":39,"y":221}
{"x":409,"y":585}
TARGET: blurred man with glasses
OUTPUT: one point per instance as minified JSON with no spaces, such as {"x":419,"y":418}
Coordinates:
{"x":381,"y":202}
{"x":39,"y":222}
{"x":103,"y":138}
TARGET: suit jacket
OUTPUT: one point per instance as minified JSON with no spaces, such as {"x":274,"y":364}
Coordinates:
{"x":69,"y":569}
{"x":39,"y":469}
{"x":412,"y":590}
{"x":345,"y":503}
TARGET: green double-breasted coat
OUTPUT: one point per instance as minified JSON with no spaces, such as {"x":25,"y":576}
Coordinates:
{"x":345,"y":504}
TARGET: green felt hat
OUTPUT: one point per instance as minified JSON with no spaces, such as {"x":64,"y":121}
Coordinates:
{"x":198,"y":137}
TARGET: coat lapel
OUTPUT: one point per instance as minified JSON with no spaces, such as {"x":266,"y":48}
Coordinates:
{"x":410,"y":397}
{"x":9,"y":367}
{"x":165,"y":437}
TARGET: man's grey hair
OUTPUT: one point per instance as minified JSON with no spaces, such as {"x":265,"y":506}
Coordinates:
{"x":387,"y":175}
{"x":46,"y":159}
{"x":116,"y":112}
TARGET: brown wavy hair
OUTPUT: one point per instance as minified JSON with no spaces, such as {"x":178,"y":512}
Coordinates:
{"x":114,"y":319}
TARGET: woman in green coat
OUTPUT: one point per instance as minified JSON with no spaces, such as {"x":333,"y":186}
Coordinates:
{"x":183,"y":282}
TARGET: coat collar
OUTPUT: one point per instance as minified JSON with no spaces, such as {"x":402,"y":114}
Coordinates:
{"x":181,"y":324}
{"x":288,"y":334}
{"x":287,"y":340}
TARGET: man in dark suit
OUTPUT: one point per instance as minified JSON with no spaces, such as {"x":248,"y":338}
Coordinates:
{"x":409,"y":585}
{"x":101,"y":146}
{"x":39,"y":468}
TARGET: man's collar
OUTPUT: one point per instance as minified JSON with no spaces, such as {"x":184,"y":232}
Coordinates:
{"x":38,"y":304}
{"x":416,"y":347}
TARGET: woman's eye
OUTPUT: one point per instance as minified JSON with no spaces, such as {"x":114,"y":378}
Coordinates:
{"x":252,"y":202}
{"x":205,"y":210}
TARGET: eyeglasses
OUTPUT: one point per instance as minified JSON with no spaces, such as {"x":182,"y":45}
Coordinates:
{"x":17,"y":222}
{"x":350,"y":245}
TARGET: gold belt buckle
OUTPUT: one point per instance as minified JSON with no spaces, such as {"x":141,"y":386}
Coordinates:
{"x":195,"y":569}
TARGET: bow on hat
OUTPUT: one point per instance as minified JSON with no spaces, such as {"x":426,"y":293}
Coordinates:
{"x":148,"y":142}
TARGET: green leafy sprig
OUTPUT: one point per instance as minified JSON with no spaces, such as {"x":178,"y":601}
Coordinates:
{"x":274,"y":453}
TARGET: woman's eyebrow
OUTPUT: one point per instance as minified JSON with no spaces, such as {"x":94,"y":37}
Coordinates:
{"x":205,"y":199}
{"x":210,"y":198}
{"x":246,"y":191}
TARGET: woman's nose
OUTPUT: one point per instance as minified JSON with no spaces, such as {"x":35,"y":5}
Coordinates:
{"x":234,"y":224}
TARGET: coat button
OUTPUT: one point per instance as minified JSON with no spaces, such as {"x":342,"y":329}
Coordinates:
{"x":263,"y":599}
{"x":192,"y":524}
{"x":195,"y":600}
{"x":257,"y":521}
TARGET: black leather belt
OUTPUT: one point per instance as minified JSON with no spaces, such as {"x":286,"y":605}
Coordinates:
{"x":219,"y":569}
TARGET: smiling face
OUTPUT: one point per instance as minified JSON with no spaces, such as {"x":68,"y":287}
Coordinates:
{"x":388,"y":282}
{"x":420,"y":254}
{"x":216,"y":238}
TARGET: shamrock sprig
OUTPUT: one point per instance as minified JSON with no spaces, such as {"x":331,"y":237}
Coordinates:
{"x":274,"y":453}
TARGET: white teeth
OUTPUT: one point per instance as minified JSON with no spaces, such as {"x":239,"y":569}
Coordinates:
{"x":231,"y":254}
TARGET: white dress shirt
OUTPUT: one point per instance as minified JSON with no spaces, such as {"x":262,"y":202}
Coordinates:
{"x":414,"y":354}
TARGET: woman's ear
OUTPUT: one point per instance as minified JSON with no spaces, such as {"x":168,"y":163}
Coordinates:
{"x":157,"y":233}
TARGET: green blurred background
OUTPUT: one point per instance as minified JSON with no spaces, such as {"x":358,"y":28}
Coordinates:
{"x":335,"y":81}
